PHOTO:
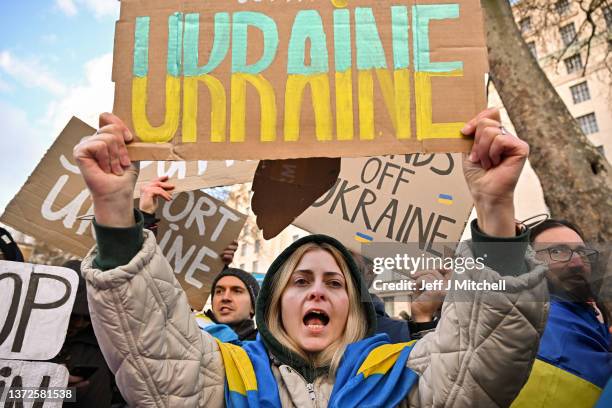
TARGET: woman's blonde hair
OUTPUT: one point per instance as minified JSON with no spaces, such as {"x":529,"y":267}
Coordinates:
{"x":354,"y":330}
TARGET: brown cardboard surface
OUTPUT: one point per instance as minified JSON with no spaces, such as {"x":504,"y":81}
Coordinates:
{"x":51,"y":203}
{"x":283,"y":189}
{"x":194,"y":230}
{"x":54,"y":206}
{"x":194,"y":175}
{"x":394,"y":199}
{"x":156,"y":96}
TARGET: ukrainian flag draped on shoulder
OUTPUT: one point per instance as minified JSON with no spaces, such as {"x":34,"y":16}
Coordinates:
{"x":573,"y":362}
{"x":372,"y":373}
{"x":382,"y":379}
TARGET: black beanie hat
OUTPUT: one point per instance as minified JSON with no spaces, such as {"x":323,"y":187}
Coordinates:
{"x":249,"y":281}
{"x":9,"y":247}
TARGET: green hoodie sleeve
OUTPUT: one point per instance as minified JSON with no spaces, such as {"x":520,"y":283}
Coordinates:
{"x":117,"y":246}
{"x":505,"y":255}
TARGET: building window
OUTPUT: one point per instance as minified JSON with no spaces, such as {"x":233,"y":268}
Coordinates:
{"x":568,"y":33}
{"x":588,"y":123}
{"x":580,"y":92}
{"x":573,"y":63}
{"x":389,"y":305}
{"x":532,"y":48}
{"x":243,"y":249}
{"x":525,"y":25}
{"x":562,"y":7}
{"x":607,"y":12}
{"x":257,"y":246}
{"x":255,"y":266}
{"x":242,"y":266}
{"x":296,"y":237}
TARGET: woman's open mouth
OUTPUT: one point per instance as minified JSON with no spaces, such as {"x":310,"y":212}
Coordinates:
{"x":316,"y":319}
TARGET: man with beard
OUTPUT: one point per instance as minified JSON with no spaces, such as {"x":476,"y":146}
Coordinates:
{"x":574,"y":361}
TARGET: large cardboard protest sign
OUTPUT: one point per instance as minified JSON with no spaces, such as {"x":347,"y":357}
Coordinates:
{"x":403,"y":199}
{"x":35,"y":309}
{"x":194,"y":230}
{"x":250,"y":79}
{"x":54,"y":205}
{"x":34,"y":384}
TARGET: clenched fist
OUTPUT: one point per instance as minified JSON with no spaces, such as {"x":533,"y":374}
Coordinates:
{"x":108,"y":172}
{"x":492,"y":170}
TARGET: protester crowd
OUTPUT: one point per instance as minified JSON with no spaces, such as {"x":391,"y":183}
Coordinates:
{"x":313,"y":335}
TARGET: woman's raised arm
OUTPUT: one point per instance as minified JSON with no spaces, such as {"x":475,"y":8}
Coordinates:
{"x":139,"y":311}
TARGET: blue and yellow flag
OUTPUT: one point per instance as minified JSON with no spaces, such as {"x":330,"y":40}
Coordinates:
{"x":247,"y":370}
{"x":380,"y":380}
{"x":372,"y":373}
{"x":573,"y":362}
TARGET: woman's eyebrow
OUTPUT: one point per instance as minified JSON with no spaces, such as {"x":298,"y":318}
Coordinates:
{"x":310,"y":273}
{"x":331,"y":273}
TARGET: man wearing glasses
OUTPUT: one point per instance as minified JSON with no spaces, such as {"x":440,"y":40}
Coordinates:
{"x":574,"y":362}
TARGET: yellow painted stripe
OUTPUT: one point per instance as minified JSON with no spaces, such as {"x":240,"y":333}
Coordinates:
{"x":145,"y":131}
{"x":426,"y":129}
{"x":551,"y":387}
{"x":445,"y":201}
{"x":382,"y":358}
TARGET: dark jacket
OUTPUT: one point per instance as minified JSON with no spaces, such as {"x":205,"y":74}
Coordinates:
{"x":397,"y":330}
{"x":82,"y":350}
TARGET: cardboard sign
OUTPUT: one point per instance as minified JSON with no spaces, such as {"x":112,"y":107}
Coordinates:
{"x":412,"y":198}
{"x":23,"y":380}
{"x":194,"y":175}
{"x":35,"y":315}
{"x":54,"y":204}
{"x":250,"y":79}
{"x":283,"y":189}
{"x":194,"y":230}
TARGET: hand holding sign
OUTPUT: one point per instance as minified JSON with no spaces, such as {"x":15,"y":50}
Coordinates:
{"x":228,"y":253}
{"x":108,"y":172}
{"x":150,"y":191}
{"x":492,"y":170}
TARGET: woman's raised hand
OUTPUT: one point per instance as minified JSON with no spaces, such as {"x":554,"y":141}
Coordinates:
{"x":492,"y":170}
{"x":108,"y":171}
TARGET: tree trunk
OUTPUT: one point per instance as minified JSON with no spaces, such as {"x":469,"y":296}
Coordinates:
{"x":575,"y":176}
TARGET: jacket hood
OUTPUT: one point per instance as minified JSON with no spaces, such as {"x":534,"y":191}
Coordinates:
{"x":275,"y":348}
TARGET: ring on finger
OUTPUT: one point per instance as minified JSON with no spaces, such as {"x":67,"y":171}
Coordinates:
{"x":503,"y":131}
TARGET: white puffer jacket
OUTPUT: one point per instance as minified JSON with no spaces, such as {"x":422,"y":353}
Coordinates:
{"x":480,"y":355}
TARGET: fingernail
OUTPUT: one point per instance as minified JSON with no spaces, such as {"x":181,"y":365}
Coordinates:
{"x":127,"y":135}
{"x":465,"y":129}
{"x":472,"y":157}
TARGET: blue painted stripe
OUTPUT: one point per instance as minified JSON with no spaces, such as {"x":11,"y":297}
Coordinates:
{"x":445,"y":196}
{"x":364,"y":236}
